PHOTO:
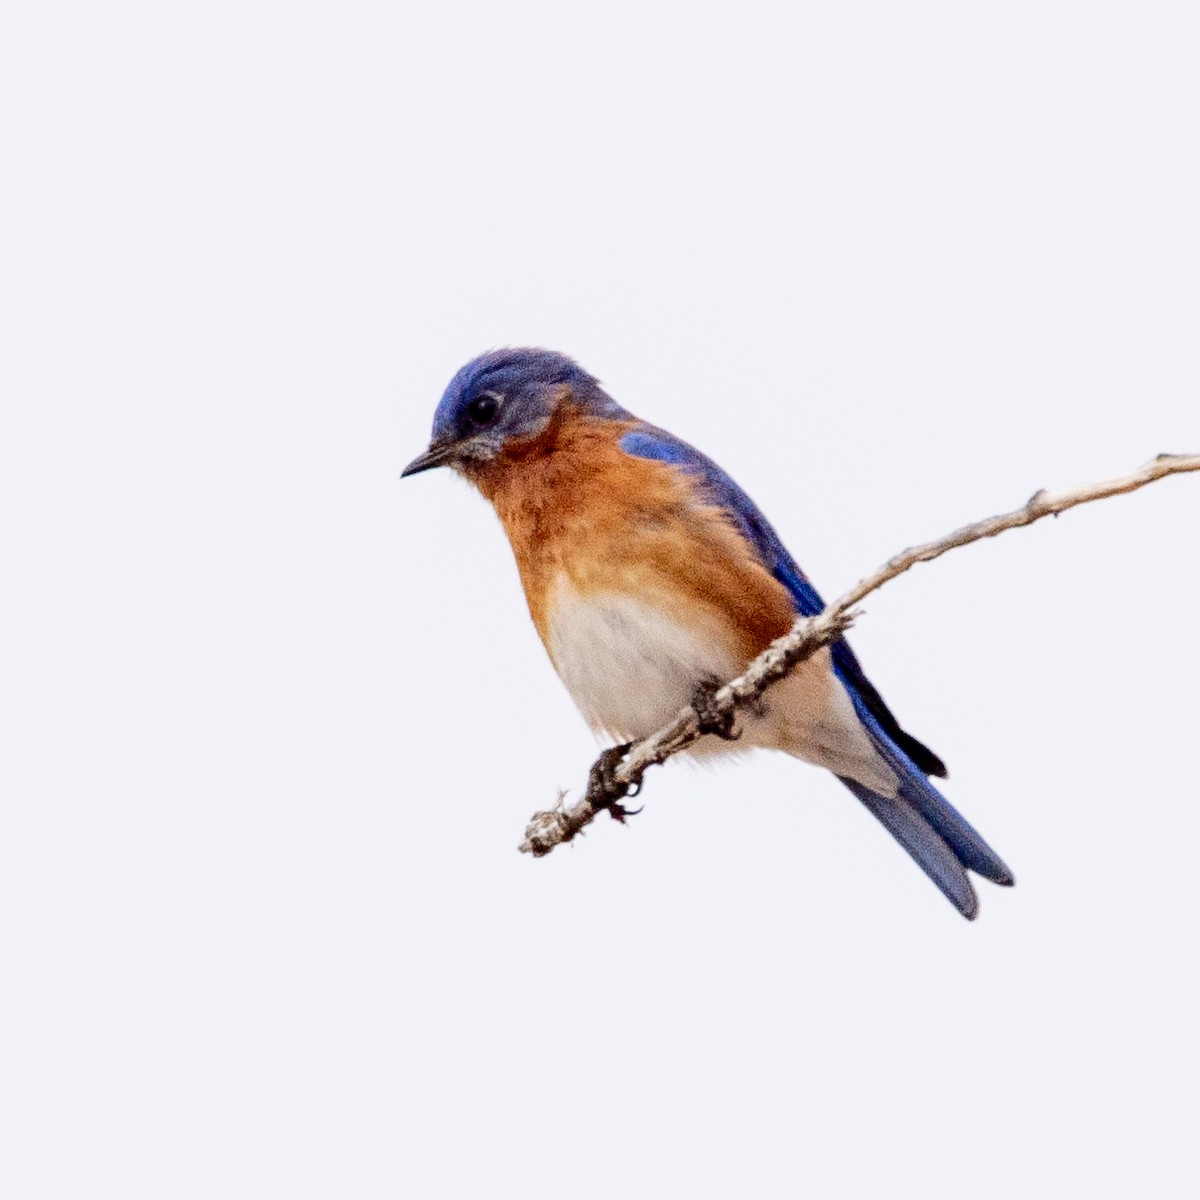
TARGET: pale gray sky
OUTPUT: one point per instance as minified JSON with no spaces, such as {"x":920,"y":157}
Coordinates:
{"x":272,"y":722}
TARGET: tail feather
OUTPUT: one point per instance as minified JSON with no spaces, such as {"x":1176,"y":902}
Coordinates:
{"x":954,"y":829}
{"x":939,"y":838}
{"x":907,"y":825}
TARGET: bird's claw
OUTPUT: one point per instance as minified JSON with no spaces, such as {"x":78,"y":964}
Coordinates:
{"x":709,"y":717}
{"x":606,"y":791}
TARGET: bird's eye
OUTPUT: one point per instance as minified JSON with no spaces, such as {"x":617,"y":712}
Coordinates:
{"x":483,"y":409}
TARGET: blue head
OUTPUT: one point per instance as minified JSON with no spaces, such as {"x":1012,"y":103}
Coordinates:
{"x":506,"y":396}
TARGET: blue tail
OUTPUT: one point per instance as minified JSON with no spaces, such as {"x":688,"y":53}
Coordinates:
{"x":941,"y":841}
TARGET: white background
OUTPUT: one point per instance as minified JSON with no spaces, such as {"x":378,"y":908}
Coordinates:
{"x":273,"y":722}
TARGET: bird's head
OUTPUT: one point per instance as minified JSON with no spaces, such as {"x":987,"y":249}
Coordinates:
{"x":505,"y":399}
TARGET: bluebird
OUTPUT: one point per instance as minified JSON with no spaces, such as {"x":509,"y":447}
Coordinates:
{"x":650,"y":574}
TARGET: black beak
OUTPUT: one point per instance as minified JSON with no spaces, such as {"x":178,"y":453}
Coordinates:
{"x":435,"y":456}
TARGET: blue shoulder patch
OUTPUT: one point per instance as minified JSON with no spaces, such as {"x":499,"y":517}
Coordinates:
{"x":648,"y":441}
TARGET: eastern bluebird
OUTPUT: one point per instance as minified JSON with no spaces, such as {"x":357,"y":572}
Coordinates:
{"x":649,"y":573}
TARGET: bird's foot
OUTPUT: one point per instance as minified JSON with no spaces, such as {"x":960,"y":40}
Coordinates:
{"x":606,"y":791}
{"x":709,"y":716}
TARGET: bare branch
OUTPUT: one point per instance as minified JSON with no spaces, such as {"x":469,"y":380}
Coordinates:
{"x":617,"y":774}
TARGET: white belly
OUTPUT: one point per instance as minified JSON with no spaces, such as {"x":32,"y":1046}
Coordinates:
{"x":630,"y":666}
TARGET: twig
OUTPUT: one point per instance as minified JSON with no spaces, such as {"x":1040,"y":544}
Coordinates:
{"x":610,"y":783}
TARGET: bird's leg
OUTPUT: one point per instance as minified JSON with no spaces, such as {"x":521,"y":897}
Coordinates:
{"x":709,"y":716}
{"x":605,"y":790}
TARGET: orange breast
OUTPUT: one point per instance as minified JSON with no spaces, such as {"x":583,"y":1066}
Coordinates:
{"x":575,"y":506}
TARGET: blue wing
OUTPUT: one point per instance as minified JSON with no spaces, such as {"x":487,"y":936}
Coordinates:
{"x":919,"y":817}
{"x":648,"y":441}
